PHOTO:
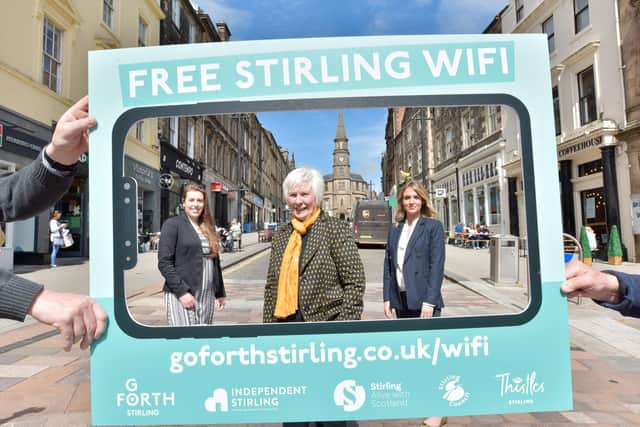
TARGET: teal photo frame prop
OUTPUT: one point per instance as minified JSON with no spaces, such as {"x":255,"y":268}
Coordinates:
{"x":332,"y":370}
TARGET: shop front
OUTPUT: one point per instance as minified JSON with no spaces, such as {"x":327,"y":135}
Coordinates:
{"x":595,"y":190}
{"x":21,"y":141}
{"x":148,"y":180}
{"x":445,"y":201}
{"x":176,"y":170}
{"x":482,"y":194}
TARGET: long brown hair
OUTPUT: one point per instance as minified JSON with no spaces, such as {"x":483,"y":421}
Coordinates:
{"x":426,"y":211}
{"x":205,"y":222}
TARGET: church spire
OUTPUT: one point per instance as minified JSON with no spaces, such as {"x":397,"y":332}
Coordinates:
{"x":340,"y":132}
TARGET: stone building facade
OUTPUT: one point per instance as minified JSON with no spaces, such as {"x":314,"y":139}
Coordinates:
{"x":342,"y":188}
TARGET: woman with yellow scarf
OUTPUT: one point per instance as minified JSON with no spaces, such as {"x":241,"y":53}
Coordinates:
{"x":315,"y":272}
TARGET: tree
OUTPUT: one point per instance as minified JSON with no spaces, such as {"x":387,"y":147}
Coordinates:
{"x":586,"y":246}
{"x":614,"y":248}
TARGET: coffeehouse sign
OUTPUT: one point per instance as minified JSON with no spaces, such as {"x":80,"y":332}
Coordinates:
{"x":580,"y":146}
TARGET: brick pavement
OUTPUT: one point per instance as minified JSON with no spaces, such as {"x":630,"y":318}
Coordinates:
{"x":41,"y":385}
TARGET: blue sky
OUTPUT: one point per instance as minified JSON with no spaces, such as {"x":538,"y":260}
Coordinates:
{"x":309,"y":134}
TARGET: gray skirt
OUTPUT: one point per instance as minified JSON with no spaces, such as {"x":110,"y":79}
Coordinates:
{"x":202,"y":314}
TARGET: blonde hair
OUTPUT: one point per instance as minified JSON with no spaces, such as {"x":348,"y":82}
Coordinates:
{"x":426,"y":211}
{"x":205,"y":222}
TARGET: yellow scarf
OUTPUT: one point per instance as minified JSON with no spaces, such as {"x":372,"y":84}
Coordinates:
{"x":287,"y":301}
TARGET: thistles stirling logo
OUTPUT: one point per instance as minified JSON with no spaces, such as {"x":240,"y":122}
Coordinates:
{"x":454,"y":393}
{"x":520,"y":391}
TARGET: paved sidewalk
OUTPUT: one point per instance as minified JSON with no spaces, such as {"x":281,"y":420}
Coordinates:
{"x":41,"y":385}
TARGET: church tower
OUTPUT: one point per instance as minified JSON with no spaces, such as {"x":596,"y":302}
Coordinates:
{"x":341,"y":166}
{"x":342,"y":188}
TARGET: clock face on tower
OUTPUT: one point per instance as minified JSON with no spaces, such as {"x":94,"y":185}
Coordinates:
{"x":341,"y":158}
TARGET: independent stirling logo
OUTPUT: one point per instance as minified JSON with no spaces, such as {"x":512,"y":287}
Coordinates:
{"x":453,"y":391}
{"x":349,"y":395}
{"x":218,"y":401}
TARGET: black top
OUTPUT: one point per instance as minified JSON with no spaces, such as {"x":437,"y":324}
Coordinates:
{"x":180,"y":258}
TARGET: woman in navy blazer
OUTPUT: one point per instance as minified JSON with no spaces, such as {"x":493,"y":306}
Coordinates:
{"x":414,"y":262}
{"x":412,"y":284}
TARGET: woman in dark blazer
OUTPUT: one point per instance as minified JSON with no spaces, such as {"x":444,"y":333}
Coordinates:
{"x":414,"y":262}
{"x":188,"y":260}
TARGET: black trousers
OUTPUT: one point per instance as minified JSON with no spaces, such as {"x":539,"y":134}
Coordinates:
{"x":406,"y":313}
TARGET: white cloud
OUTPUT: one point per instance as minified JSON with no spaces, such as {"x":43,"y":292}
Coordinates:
{"x":235,"y":17}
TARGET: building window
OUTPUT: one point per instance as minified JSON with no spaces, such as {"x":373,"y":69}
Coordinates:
{"x":556,"y":110}
{"x":142,"y":32}
{"x":466,"y":130}
{"x":191,"y":132}
{"x":581,"y":14}
{"x":547,"y":28}
{"x":519,"y":10}
{"x":107,"y":12}
{"x":175,"y":13}
{"x":587,"y":93}
{"x":140,"y":130}
{"x":492,"y":121}
{"x":51,"y":56}
{"x":192,"y":33}
{"x":173,"y":131}
{"x":449,"y":142}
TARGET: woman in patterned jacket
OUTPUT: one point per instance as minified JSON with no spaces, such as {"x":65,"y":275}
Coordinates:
{"x":315,"y":272}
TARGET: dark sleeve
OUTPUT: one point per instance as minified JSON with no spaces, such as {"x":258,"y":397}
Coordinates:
{"x":167,"y":258}
{"x":16,"y":296}
{"x":436,"y":265}
{"x":350,"y":273}
{"x":630,"y":293}
{"x":30,"y":191}
{"x":388,"y":258}
{"x":220,"y":291}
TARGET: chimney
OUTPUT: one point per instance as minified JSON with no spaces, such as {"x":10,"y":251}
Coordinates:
{"x":223,"y":31}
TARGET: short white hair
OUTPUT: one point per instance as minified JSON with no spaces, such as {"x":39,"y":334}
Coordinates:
{"x":302,"y":176}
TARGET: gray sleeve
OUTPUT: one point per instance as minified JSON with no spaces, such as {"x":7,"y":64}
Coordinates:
{"x":30,"y":191}
{"x":16,"y":296}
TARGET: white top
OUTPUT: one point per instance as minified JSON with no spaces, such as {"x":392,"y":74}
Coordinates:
{"x":403,"y":242}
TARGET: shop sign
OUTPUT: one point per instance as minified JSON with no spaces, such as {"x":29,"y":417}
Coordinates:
{"x":257,"y":200}
{"x":580,"y":146}
{"x":145,"y":175}
{"x":175,"y":161}
{"x":216,"y":187}
{"x":21,"y":143}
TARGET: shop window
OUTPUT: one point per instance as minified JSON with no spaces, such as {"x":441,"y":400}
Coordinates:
{"x":494,"y":205}
{"x":590,"y":168}
{"x":581,"y":14}
{"x":482,"y":218}
{"x":587,"y":93}
{"x":51,"y":56}
{"x":594,"y":213}
{"x":468,"y":207}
